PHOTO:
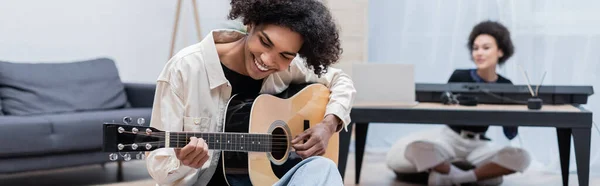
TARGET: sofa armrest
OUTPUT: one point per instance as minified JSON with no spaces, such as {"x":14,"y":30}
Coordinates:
{"x":140,"y":95}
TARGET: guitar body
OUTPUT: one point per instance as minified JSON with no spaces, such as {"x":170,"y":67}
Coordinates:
{"x":285,"y":116}
{"x":256,"y":141}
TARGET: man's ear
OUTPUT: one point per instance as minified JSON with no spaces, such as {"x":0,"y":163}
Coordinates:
{"x":249,"y":27}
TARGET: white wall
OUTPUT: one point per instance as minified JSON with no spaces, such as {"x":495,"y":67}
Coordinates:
{"x":134,"y":33}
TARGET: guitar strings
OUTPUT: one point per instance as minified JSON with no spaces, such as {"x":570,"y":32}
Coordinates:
{"x":187,"y":136}
{"x":252,"y":149}
{"x":234,"y":143}
{"x":192,"y":132}
{"x":277,"y":147}
{"x":220,"y":133}
{"x":194,"y":135}
{"x":239,"y":143}
{"x":207,"y":133}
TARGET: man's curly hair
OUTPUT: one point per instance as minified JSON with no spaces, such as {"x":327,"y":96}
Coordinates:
{"x":310,"y":18}
{"x":500,"y":34}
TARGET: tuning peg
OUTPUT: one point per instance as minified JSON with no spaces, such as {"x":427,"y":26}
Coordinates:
{"x":121,"y":129}
{"x":127,"y":157}
{"x":113,"y":156}
{"x":135,"y":130}
{"x":148,"y":146}
{"x":134,"y":146}
{"x":148,"y":131}
{"x":140,"y":156}
{"x":141,"y":121}
{"x":127,"y":120}
{"x":120,"y":146}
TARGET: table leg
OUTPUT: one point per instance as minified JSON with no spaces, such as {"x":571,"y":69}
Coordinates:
{"x":581,"y":139}
{"x":564,"y":149}
{"x":361,"y":139}
{"x":345,"y":137}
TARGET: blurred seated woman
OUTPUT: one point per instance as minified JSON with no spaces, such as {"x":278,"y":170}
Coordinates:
{"x":431,"y":153}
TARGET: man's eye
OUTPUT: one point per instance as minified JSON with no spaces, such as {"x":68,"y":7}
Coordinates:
{"x":263,"y":42}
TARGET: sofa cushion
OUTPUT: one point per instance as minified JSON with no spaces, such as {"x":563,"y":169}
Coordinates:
{"x":21,"y":135}
{"x":42,"y":88}
{"x":83,"y":131}
{"x":59,"y":133}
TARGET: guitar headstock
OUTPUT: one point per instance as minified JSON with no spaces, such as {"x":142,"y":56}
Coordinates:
{"x":125,"y":138}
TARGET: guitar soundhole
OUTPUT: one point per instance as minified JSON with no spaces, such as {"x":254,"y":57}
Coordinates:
{"x":279,"y":144}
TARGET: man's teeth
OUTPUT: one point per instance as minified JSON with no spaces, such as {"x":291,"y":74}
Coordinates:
{"x":260,"y":66}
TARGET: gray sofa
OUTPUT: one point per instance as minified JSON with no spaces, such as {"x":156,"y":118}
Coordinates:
{"x":52,"y":113}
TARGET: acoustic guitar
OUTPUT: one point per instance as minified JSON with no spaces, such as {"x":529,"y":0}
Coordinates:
{"x":256,"y":141}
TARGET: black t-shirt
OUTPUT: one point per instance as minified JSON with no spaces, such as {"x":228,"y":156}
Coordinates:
{"x":242,"y":85}
{"x":470,"y":76}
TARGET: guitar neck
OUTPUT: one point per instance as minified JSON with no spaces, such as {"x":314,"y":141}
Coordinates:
{"x":242,"y":142}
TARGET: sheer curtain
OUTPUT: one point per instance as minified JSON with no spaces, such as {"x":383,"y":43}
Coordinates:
{"x":561,"y":38}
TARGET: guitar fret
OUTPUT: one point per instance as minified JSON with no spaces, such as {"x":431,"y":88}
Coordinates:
{"x":208,"y":141}
{"x":244,"y":142}
{"x":251,"y":143}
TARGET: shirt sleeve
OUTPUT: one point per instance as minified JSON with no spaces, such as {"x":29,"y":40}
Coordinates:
{"x":167,"y":115}
{"x":342,"y":89}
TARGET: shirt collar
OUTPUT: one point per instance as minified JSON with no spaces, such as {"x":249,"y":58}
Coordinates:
{"x":477,"y":78}
{"x":212,"y":63}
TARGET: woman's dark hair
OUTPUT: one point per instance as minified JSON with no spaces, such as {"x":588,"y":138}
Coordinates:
{"x":310,"y":18}
{"x":500,"y":34}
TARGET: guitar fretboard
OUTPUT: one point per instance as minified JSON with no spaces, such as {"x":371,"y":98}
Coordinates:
{"x":243,"y":142}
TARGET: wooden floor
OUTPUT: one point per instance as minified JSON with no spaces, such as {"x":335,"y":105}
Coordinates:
{"x":375,"y":173}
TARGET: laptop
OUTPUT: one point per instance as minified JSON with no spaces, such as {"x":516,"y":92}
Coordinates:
{"x":382,"y":84}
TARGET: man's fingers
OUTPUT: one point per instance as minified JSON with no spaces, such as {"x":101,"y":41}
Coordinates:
{"x":301,"y":136}
{"x":196,"y":153}
{"x":202,"y":157}
{"x":320,"y":152}
{"x":196,"y":161}
{"x":301,"y":147}
{"x":189,"y":148}
{"x":205,"y":147}
{"x":310,"y":152}
{"x":201,"y":161}
{"x":200,"y":144}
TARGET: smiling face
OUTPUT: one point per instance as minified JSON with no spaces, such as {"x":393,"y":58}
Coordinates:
{"x":485,"y":52}
{"x":270,"y":48}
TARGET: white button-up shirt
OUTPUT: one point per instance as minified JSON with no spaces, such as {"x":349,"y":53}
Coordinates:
{"x":192,"y":94}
